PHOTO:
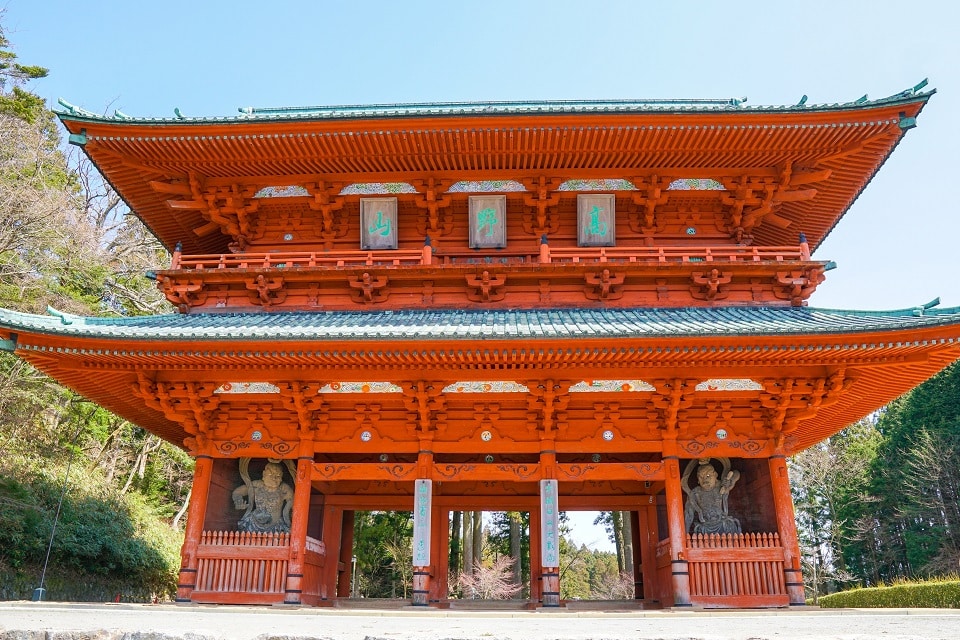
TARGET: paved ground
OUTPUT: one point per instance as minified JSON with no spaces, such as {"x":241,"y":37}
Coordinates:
{"x":242,"y":623}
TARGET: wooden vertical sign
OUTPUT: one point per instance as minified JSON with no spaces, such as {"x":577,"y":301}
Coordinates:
{"x":422,"y":510}
{"x":549,"y":524}
{"x":596,"y":220}
{"x":488,"y":222}
{"x":378,"y":223}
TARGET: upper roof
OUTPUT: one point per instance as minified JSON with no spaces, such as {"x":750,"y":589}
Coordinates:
{"x":832,"y":148}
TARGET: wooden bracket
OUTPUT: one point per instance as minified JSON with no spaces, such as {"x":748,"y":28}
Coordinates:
{"x":193,"y":405}
{"x":798,"y":285}
{"x":302,"y":398}
{"x":542,"y":197}
{"x":651,"y":192}
{"x":424,"y":399}
{"x":709,"y":285}
{"x":486,"y":287}
{"x":436,"y":223}
{"x":184,"y":294}
{"x":368,"y":289}
{"x":266,"y":291}
{"x":327,"y":200}
{"x":547,"y":404}
{"x":603,"y":285}
{"x":671,"y":397}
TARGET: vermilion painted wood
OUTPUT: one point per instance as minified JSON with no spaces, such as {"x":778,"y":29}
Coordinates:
{"x":194,"y":528}
{"x":620,"y":449}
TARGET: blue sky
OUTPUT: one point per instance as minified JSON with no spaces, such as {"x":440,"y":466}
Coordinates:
{"x":899,"y":245}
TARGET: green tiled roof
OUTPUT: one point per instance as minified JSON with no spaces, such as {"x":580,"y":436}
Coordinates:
{"x":547,"y":107}
{"x":481,"y":325}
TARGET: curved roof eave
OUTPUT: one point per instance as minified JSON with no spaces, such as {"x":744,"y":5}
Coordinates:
{"x":496,"y":108}
{"x":549,"y":324}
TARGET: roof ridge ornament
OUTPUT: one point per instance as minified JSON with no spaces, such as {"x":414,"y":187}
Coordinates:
{"x":74,"y":110}
{"x":65,"y":318}
{"x":918,"y":311}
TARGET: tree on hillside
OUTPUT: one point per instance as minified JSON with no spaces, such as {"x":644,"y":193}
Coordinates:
{"x":67,"y":241}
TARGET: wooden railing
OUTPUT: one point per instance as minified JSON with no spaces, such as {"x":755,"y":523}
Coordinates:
{"x":241,"y":568}
{"x":743,"y":569}
{"x":546,"y":255}
{"x":674,"y":254}
{"x":293,"y":259}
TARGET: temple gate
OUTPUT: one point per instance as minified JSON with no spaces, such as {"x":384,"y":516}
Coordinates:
{"x":525,"y":307}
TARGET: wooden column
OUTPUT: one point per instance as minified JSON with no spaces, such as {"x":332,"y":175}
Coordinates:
{"x":649,"y":537}
{"x":298,"y":531}
{"x":197,"y":511}
{"x":787,"y":526}
{"x":637,"y":553}
{"x":536,"y":568}
{"x":346,"y":554}
{"x":440,"y":543}
{"x":332,"y":530}
{"x":675,"y":524}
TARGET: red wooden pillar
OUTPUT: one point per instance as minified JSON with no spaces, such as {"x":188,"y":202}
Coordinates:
{"x":298,"y":531}
{"x":536,"y":570}
{"x":332,"y":529}
{"x":787,"y":525}
{"x":636,"y":541}
{"x":441,"y":554}
{"x":649,"y":537}
{"x":197,"y":511}
{"x":676,"y":526}
{"x":346,"y":554}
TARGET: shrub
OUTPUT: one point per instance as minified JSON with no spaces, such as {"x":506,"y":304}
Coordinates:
{"x":943,"y":594}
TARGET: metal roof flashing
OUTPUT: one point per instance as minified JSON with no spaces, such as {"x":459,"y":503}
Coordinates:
{"x":496,"y":108}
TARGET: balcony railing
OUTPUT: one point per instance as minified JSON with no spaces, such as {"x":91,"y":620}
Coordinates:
{"x":546,"y":255}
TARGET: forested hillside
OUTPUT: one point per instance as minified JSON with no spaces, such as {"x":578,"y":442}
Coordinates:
{"x":880,"y":501}
{"x":66,"y":241}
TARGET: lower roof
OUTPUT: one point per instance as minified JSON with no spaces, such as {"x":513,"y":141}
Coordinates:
{"x":481,"y":325}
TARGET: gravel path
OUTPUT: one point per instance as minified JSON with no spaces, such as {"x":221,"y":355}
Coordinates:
{"x":61,"y":621}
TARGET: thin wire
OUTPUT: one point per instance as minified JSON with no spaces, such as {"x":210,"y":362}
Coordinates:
{"x":56,"y":517}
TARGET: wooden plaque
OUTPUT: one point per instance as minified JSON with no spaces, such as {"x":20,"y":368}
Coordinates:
{"x":422,"y":510}
{"x":596,"y":220}
{"x":488,"y":222}
{"x":549,"y":524}
{"x":378,"y":223}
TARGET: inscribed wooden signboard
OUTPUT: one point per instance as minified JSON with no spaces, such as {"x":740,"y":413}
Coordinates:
{"x":488,"y":222}
{"x":596,"y":220}
{"x":378,"y":223}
